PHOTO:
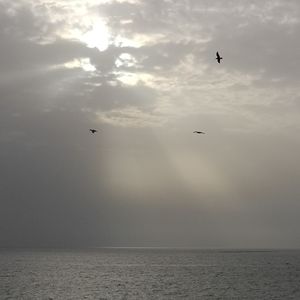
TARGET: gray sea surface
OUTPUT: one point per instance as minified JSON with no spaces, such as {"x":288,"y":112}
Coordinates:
{"x":149,"y":274}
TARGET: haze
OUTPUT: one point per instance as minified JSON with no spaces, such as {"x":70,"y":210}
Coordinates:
{"x":144,"y":74}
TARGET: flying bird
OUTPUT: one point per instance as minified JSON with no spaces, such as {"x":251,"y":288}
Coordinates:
{"x":199,"y":132}
{"x":218,"y":58}
{"x":93,"y":130}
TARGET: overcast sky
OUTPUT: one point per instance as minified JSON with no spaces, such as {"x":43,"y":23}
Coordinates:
{"x":144,"y":73}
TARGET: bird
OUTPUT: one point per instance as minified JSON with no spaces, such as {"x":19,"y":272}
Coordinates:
{"x":199,"y":132}
{"x":93,"y":130}
{"x":218,"y":58}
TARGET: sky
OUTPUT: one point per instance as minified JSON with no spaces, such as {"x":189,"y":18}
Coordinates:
{"x":143,"y":72}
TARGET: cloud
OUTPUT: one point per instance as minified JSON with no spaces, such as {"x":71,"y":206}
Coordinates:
{"x":130,"y":116}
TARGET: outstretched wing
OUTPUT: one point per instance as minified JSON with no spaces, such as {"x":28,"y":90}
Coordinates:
{"x":218,"y":55}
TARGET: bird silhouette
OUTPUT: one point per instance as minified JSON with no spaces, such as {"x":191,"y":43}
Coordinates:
{"x":199,"y":132}
{"x":218,"y":58}
{"x":93,"y":130}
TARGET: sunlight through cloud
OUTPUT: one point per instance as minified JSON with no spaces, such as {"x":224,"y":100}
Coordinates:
{"x":134,"y":78}
{"x":98,"y":37}
{"x":125,"y":59}
{"x":83,"y":63}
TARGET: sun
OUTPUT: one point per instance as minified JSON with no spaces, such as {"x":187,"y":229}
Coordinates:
{"x":98,"y":37}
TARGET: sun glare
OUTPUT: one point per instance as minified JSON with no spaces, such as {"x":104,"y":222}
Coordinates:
{"x":98,"y":37}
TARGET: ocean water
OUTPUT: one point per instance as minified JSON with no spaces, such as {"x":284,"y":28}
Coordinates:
{"x":149,"y":274}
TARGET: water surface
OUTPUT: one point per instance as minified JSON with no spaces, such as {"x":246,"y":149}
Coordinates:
{"x":149,"y":274}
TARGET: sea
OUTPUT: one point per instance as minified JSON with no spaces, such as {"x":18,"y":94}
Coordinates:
{"x":146,"y":273}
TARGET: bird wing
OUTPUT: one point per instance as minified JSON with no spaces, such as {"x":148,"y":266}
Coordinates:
{"x":218,"y":55}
